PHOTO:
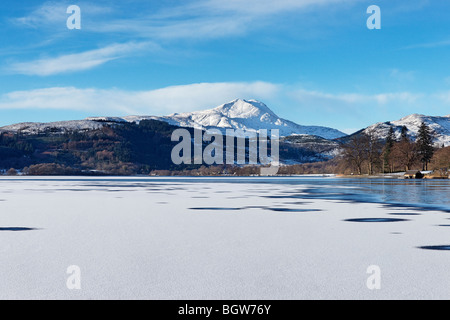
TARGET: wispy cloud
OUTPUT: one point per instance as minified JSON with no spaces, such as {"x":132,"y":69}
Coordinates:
{"x":312,"y":107}
{"x":356,"y":106}
{"x":78,"y":61}
{"x":355,"y":98}
{"x":429,"y":45}
{"x":47,"y":13}
{"x":261,"y":7}
{"x":402,"y":76}
{"x":206,"y":19}
{"x":196,"y":97}
{"x":198,"y":20}
{"x":52,"y":13}
{"x":153,"y":102}
{"x":443,"y":96}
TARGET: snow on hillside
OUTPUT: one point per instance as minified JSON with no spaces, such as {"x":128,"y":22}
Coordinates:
{"x":250,"y":115}
{"x":57,"y":127}
{"x":440,"y":127}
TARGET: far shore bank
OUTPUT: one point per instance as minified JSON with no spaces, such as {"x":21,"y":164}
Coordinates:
{"x":399,"y":175}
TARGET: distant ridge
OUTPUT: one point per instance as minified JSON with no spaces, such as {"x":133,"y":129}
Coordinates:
{"x":440,"y":127}
{"x":250,"y":115}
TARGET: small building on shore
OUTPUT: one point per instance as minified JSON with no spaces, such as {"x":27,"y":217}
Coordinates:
{"x":413,"y":174}
{"x":438,"y":174}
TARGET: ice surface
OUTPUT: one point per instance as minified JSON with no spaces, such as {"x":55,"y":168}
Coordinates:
{"x":164,"y":239}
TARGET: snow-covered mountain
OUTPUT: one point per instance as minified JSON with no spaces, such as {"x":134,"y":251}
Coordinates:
{"x":440,"y":127}
{"x":250,"y":115}
{"x":57,"y":127}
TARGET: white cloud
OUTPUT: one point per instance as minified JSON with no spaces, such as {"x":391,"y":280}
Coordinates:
{"x":258,"y":8}
{"x":402,"y":76}
{"x":443,"y":96}
{"x":199,"y":20}
{"x":154,"y":102}
{"x":52,"y":13}
{"x":75,"y":62}
{"x":330,"y":108}
{"x":48,"y":13}
{"x":346,"y":110}
{"x":206,"y":19}
{"x":429,"y":45}
{"x":305,"y":96}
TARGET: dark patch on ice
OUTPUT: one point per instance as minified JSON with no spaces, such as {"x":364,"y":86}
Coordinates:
{"x":417,"y":207}
{"x":349,"y":196}
{"x":255,"y":207}
{"x":216,"y":208}
{"x":376,"y":220}
{"x":72,"y":190}
{"x":116,"y":185}
{"x":396,"y":233}
{"x":444,"y":225}
{"x":292,"y":210}
{"x":15,"y":229}
{"x":298,"y":203}
{"x":439,"y":248}
{"x":405,"y":214}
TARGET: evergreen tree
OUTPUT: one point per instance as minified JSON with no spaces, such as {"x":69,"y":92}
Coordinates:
{"x":425,"y":147}
{"x":405,"y":152}
{"x":404,"y":133}
{"x":390,"y":140}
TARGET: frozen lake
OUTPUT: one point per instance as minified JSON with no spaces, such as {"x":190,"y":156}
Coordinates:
{"x":224,"y":238}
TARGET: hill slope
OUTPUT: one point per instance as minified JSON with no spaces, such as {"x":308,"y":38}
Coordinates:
{"x":440,"y":127}
{"x":248,"y":115}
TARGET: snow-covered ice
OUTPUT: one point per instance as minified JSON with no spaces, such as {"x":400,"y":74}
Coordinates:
{"x":158,"y":238}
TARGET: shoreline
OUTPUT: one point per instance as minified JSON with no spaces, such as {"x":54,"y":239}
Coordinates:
{"x":325,"y":175}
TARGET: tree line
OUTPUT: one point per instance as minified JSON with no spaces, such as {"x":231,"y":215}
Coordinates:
{"x":366,"y":153}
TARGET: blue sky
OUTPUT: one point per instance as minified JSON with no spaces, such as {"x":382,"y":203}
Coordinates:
{"x":314,"y":62}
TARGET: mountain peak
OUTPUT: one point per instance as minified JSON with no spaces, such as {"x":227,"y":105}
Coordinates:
{"x":241,"y":108}
{"x":440,"y":127}
{"x":413,"y":117}
{"x":239,"y":114}
{"x":249,"y":115}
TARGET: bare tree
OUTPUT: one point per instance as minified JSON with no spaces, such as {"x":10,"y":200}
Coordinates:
{"x":373,"y":149}
{"x":388,"y":163}
{"x":363,"y":150}
{"x":354,"y":152}
{"x":405,"y":154}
